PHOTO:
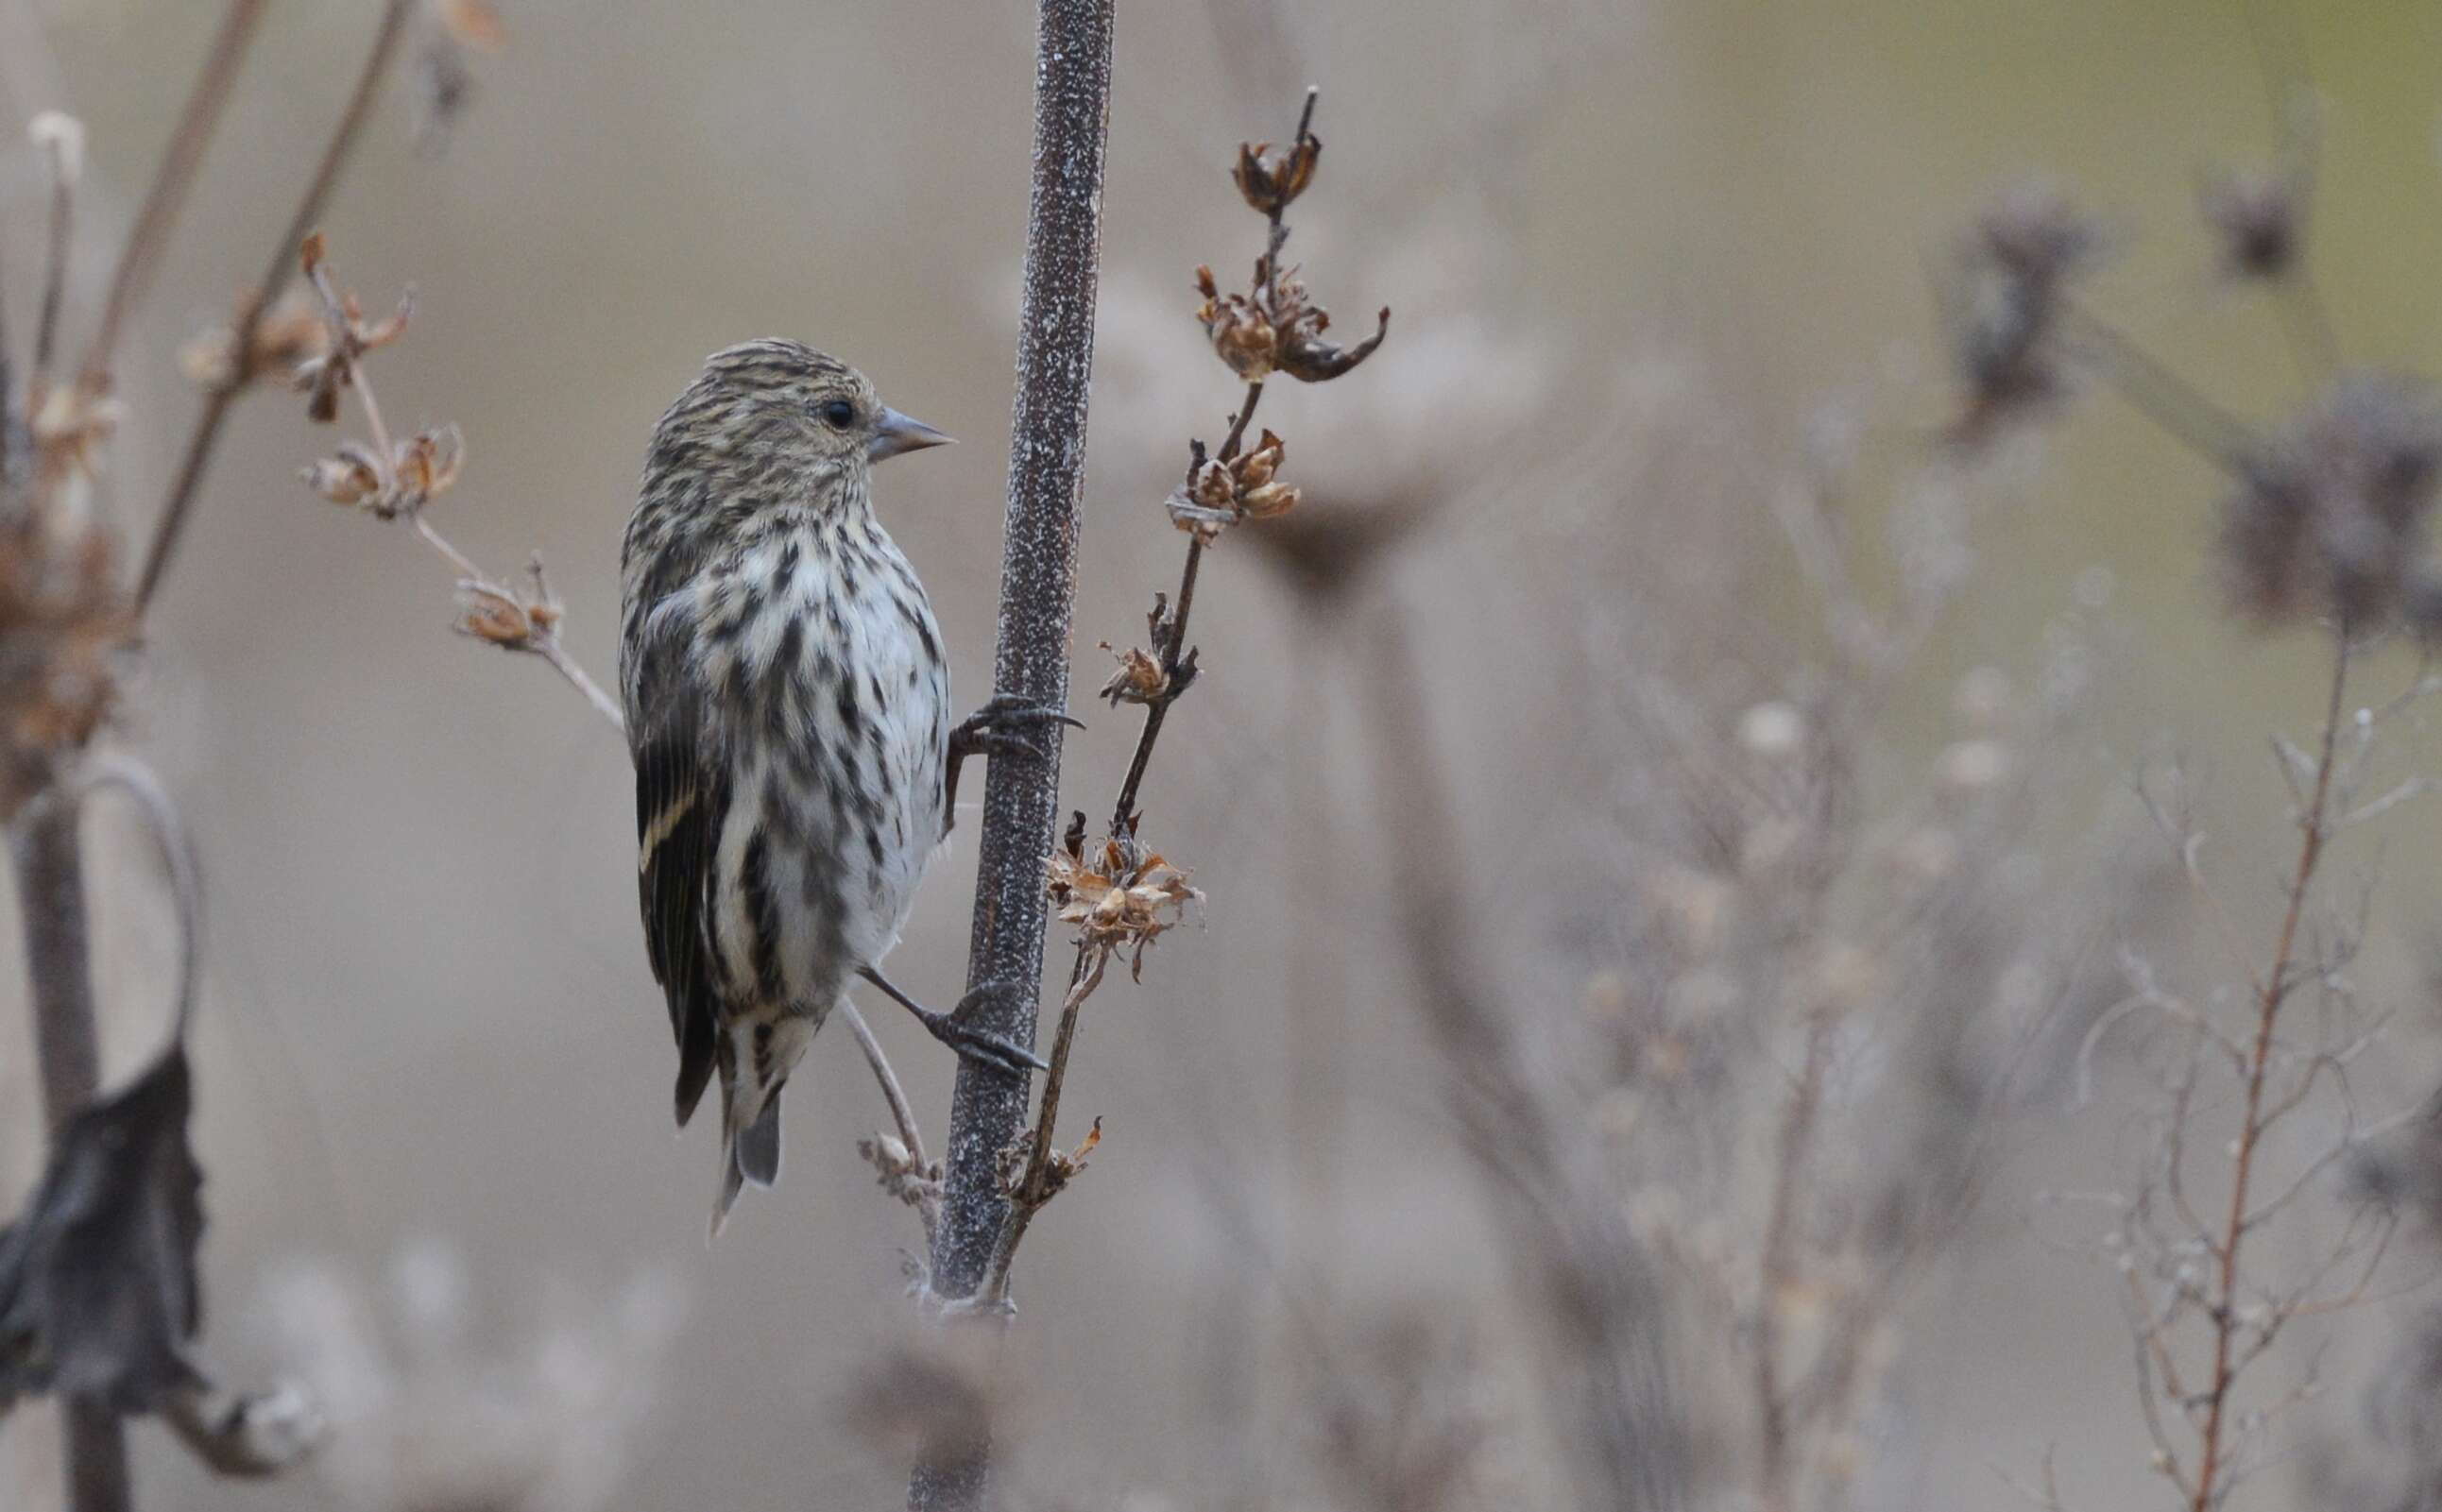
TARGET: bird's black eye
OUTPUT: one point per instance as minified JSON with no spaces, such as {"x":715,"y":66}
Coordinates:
{"x":837,"y":413}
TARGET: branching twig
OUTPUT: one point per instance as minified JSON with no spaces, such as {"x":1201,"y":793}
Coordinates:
{"x":2273,"y":992}
{"x":150,"y":237}
{"x":1221,"y":487}
{"x":196,"y":458}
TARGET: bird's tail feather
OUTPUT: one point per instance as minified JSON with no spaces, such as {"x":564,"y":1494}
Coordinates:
{"x":758,"y":1052}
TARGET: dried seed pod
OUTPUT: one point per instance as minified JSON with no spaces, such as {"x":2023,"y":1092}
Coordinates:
{"x":1269,"y":179}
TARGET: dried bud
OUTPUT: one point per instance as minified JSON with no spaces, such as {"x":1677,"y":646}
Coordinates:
{"x":383,"y":332}
{"x":69,"y":424}
{"x":1307,"y":357}
{"x":488,"y":613}
{"x":1212,"y":486}
{"x":321,"y":380}
{"x":425,"y":465}
{"x":2256,"y":216}
{"x":1256,"y":467}
{"x":349,"y":336}
{"x":1060,"y":1168}
{"x":1268,"y":501}
{"x":898,"y":1171}
{"x":2331,"y":515}
{"x":514,"y":622}
{"x":1219,"y":494}
{"x":1241,"y":335}
{"x":354,"y":476}
{"x":2014,"y":269}
{"x":1138,"y":679}
{"x":1269,"y":179}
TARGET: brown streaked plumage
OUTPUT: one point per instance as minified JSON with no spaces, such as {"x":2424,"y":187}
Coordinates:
{"x":787,"y":709}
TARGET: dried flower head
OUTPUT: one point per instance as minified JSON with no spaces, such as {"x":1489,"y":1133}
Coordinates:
{"x":2012,"y":277}
{"x":70,"y":424}
{"x":1138,"y":679}
{"x":1124,"y":898}
{"x":1270,"y":178}
{"x":416,"y":470}
{"x":2258,"y":218}
{"x":352,"y":474}
{"x":1241,"y":332}
{"x":917,"y":1184}
{"x":350,"y":336}
{"x":1276,"y":328}
{"x":1059,"y":1168}
{"x":1304,"y":354}
{"x":1219,"y":494}
{"x":2330,"y":514}
{"x":511,"y":620}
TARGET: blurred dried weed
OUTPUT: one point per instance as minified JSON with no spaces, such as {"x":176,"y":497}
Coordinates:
{"x":434,"y":1406}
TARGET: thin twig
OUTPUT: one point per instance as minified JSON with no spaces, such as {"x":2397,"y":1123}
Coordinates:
{"x":2164,"y":397}
{"x":171,"y":522}
{"x":149,"y":238}
{"x":1777,"y":1269}
{"x":2273,"y":992}
{"x":1174,"y":647}
{"x":55,"y":265}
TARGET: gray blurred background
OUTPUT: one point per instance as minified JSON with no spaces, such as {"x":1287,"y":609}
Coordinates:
{"x":1634,"y":252}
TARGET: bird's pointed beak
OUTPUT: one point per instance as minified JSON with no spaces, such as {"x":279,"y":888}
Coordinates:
{"x":895,"y":432}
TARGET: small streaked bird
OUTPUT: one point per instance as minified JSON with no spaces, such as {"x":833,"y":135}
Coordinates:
{"x":788,"y":708}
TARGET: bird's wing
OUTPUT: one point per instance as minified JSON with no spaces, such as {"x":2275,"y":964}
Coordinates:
{"x":680,"y":797}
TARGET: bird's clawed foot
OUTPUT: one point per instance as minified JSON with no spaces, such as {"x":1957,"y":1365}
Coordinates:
{"x":1000,"y":727}
{"x":950,"y":1029}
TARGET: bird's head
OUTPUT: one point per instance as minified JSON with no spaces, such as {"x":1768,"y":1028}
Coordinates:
{"x":780,"y":407}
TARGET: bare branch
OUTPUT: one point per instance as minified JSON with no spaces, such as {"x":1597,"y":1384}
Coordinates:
{"x":197,"y":459}
{"x":149,"y":238}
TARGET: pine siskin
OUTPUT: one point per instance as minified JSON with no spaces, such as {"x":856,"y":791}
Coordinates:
{"x":788,"y":708}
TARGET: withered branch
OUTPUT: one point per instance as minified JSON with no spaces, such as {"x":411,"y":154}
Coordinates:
{"x":1125,"y":896}
{"x":149,"y":238}
{"x":247,"y":358}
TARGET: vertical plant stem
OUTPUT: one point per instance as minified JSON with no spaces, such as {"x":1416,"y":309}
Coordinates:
{"x":2273,"y":992}
{"x":50,"y":901}
{"x":1073,"y":86}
